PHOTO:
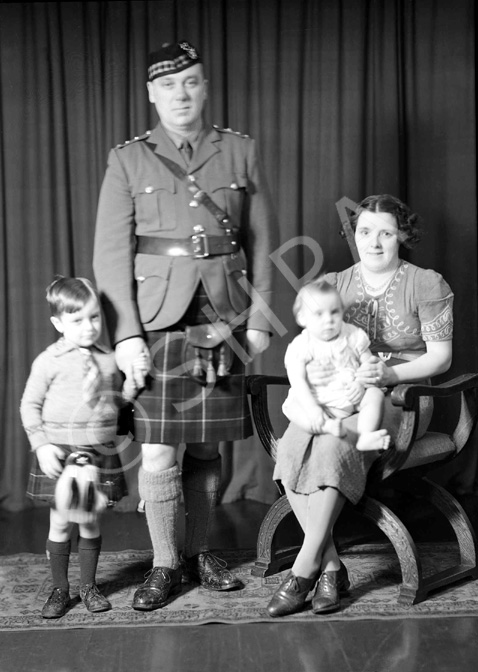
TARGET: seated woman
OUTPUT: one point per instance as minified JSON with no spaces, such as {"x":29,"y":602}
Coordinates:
{"x":407,"y":314}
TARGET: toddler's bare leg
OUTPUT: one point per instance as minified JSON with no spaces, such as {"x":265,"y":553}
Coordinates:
{"x":369,"y":419}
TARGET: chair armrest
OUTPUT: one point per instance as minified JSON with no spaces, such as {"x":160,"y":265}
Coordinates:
{"x":257,"y":386}
{"x":407,"y":396}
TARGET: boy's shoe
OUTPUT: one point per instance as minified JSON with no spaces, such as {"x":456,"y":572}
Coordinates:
{"x":57,"y":604}
{"x":92,"y":598}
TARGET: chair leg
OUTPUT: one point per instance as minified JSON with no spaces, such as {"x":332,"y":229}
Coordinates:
{"x":403,"y":544}
{"x":467,"y":540}
{"x":415,"y":587}
{"x":456,"y":516}
{"x":269,"y":560}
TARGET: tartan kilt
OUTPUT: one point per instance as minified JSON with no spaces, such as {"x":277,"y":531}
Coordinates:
{"x":173,"y":408}
{"x":111,"y":476}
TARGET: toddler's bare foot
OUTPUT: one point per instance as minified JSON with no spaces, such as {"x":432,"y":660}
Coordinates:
{"x":333,"y":426}
{"x":378,"y":440}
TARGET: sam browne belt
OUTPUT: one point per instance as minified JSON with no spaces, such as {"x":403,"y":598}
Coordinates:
{"x":198,"y":246}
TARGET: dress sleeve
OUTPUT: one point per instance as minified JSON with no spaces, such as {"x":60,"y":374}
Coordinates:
{"x":435,"y":307}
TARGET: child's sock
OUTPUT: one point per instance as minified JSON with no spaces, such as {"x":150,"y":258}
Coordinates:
{"x":59,"y":552}
{"x":88,"y":554}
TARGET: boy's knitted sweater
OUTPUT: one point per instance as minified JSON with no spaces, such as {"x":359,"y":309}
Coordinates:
{"x":52,"y":407}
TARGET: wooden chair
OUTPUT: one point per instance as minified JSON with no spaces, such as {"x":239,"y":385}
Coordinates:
{"x":408,"y":456}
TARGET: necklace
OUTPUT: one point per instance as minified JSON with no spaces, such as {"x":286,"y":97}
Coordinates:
{"x":377,"y":289}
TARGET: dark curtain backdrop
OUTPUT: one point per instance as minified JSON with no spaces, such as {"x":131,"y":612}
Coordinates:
{"x":345,"y":97}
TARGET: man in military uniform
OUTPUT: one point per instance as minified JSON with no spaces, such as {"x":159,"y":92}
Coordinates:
{"x":184,"y":230}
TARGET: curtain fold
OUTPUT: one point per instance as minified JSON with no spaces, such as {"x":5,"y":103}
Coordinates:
{"x":344,"y":98}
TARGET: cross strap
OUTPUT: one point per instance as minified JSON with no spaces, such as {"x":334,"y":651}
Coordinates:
{"x":198,"y":194}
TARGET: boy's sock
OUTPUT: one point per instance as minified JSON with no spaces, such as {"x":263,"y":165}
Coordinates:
{"x":201,"y":482}
{"x":88,"y":554}
{"x":161,"y":491}
{"x":59,"y":552}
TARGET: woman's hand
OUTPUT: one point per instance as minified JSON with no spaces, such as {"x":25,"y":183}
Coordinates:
{"x":319,"y":374}
{"x":49,"y":458}
{"x":374,"y":372}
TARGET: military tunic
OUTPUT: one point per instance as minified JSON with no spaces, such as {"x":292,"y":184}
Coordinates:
{"x":147,"y":294}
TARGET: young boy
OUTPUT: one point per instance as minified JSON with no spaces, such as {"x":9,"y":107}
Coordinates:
{"x":69,"y":410}
{"x":328,"y":340}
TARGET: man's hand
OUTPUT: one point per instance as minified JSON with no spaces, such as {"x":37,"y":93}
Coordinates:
{"x":49,"y":458}
{"x":128,"y":354}
{"x":257,"y":341}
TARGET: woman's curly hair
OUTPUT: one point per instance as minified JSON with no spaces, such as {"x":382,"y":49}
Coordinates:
{"x":408,"y":222}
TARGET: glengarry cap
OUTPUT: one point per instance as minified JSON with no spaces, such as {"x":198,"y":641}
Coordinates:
{"x":172,"y":58}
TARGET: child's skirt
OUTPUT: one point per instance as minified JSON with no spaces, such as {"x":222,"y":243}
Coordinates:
{"x":105,"y":457}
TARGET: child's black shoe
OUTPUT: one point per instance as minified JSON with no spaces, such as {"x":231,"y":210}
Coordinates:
{"x":92,"y":598}
{"x":57,"y":604}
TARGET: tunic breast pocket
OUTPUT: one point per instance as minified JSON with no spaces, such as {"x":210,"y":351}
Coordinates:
{"x":155,"y":204}
{"x":228,"y":191}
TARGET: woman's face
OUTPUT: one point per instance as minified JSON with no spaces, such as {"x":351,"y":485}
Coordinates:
{"x":378,"y":241}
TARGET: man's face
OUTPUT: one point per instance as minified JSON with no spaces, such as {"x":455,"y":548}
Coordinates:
{"x":179,"y":98}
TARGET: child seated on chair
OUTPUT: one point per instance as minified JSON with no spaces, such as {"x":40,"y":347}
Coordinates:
{"x":327,"y":339}
{"x":69,"y":410}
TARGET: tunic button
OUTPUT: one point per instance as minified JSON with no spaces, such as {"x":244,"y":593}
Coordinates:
{"x":234,"y":186}
{"x":193,"y":204}
{"x":149,"y":190}
{"x":191,"y":178}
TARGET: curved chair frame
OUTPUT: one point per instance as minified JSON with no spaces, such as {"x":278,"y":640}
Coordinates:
{"x":415,"y":586}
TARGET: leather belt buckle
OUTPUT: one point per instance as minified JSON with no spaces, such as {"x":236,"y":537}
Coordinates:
{"x":200,"y":245}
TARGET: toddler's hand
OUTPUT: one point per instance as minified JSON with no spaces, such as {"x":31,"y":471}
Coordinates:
{"x":141,"y":368}
{"x":317,"y":419}
{"x":49,"y":458}
{"x":354,"y":392}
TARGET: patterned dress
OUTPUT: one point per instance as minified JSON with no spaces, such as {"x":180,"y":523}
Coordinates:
{"x":415,"y":308}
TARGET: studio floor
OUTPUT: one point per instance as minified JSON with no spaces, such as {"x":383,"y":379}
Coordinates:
{"x":404,"y":645}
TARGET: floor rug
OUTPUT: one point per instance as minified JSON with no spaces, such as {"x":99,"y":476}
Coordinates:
{"x":374,"y":571}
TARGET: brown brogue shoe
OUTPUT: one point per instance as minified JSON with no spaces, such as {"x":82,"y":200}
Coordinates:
{"x":160,"y":584}
{"x":210,"y":571}
{"x":290,"y":596}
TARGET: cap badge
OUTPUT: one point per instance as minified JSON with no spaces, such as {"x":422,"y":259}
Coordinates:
{"x":190,"y":50}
